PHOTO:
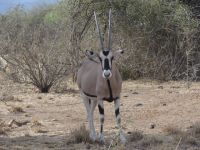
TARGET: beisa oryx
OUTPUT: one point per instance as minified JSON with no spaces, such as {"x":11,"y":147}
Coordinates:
{"x":99,"y":80}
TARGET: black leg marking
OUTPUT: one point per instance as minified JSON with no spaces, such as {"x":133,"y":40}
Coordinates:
{"x":101,"y":128}
{"x":117,"y":112}
{"x":101,"y":110}
{"x":89,"y":101}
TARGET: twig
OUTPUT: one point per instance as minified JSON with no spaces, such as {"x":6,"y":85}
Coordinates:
{"x":111,"y":143}
{"x":75,"y":103}
{"x":114,"y":138}
{"x":178,"y":143}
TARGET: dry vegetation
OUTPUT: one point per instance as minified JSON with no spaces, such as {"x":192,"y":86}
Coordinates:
{"x":43,"y":47}
{"x":47,"y":44}
{"x":58,"y":120}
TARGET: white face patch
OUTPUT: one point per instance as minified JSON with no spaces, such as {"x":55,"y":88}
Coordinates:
{"x":106,"y":62}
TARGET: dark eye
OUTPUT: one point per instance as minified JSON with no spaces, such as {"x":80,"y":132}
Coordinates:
{"x":112,"y":57}
{"x":91,"y":52}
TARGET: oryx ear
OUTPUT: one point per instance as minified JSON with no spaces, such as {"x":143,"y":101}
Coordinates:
{"x":117,"y":52}
{"x":90,"y":54}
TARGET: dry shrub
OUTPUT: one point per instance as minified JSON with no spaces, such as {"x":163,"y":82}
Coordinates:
{"x":47,"y":44}
{"x":38,"y":127}
{"x":3,"y":128}
{"x":135,"y":136}
{"x":195,"y":130}
{"x":79,"y":135}
{"x":171,"y":130}
{"x":192,"y":141}
{"x":150,"y":141}
{"x":16,"y":109}
{"x":37,"y":51}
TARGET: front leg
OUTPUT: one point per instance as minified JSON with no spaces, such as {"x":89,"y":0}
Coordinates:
{"x":101,"y":114}
{"x":118,"y":120}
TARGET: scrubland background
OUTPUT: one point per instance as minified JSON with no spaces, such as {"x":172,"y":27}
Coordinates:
{"x":45,"y":46}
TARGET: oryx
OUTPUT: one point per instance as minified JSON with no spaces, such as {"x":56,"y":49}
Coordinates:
{"x":99,"y":80}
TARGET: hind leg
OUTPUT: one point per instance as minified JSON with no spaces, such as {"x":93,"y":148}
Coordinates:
{"x":90,"y":106}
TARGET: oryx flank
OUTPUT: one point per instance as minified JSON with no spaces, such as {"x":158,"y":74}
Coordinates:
{"x":99,"y":80}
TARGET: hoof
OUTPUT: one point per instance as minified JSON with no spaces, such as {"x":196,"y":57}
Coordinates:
{"x":93,"y":137}
{"x":122,"y":139}
{"x":101,"y":138}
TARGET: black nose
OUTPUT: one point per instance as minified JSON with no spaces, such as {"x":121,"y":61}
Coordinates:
{"x":107,"y":75}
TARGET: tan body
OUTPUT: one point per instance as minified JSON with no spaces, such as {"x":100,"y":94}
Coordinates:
{"x":90,"y":80}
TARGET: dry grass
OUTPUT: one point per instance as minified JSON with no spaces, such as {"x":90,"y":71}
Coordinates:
{"x":80,"y":135}
{"x":195,"y":130}
{"x":135,"y":136}
{"x":171,"y":130}
{"x":150,"y":141}
{"x":16,"y":109}
{"x":3,"y":128}
{"x":38,"y":127}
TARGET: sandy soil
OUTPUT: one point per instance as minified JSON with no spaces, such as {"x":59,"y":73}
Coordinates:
{"x":48,"y":119}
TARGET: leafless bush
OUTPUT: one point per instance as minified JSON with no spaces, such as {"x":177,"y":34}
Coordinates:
{"x":160,"y":39}
{"x":37,"y":53}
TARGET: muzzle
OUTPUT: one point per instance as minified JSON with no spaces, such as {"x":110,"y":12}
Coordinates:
{"x":107,"y":74}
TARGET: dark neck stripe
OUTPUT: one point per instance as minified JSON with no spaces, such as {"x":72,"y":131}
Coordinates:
{"x":110,"y":89}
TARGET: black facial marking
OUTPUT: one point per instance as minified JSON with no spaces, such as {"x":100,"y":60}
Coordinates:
{"x":106,"y":64}
{"x":106,"y":53}
{"x":101,"y":110}
{"x":117,"y":112}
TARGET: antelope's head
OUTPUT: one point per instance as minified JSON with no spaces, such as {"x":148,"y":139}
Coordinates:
{"x":106,"y":55}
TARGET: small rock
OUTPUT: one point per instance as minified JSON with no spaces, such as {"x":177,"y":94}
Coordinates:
{"x":190,"y":127}
{"x":175,"y":87}
{"x":160,"y":87}
{"x":54,"y":120}
{"x":129,"y":132}
{"x":164,"y":104}
{"x":27,"y":115}
{"x":152,"y":125}
{"x":39,"y":97}
{"x":125,"y":95}
{"x":121,"y":104}
{"x":135,"y":93}
{"x":138,"y":104}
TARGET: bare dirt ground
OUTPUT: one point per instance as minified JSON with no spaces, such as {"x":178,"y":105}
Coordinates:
{"x":31,"y":120}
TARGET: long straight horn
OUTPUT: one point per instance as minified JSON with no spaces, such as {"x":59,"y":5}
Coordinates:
{"x":110,"y":31}
{"x":99,"y":32}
